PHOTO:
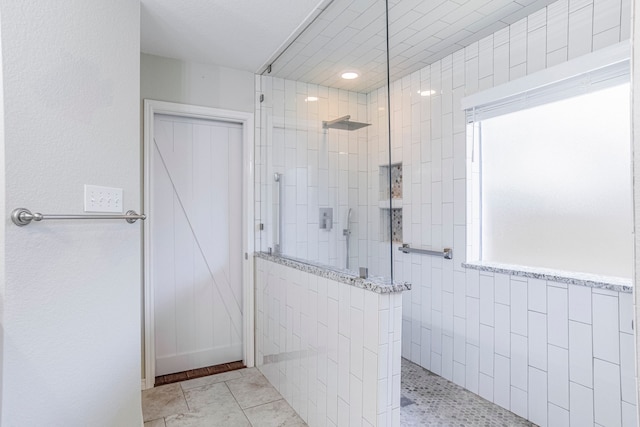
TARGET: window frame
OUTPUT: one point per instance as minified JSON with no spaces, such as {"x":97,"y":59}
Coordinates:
{"x":516,"y":94}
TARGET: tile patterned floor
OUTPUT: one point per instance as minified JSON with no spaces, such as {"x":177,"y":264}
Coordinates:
{"x":245,"y":398}
{"x":438,"y":402}
{"x":236,"y":399}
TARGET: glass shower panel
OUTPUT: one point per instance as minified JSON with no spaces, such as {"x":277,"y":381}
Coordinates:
{"x":324,"y":140}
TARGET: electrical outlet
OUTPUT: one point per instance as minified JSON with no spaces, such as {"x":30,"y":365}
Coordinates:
{"x":102,"y":199}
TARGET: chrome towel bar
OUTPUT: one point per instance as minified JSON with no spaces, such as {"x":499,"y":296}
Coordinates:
{"x":22,"y":216}
{"x":447,"y":253}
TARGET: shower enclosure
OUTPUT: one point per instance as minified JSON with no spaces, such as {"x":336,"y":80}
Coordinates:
{"x":324,"y":135}
{"x":367,"y":165}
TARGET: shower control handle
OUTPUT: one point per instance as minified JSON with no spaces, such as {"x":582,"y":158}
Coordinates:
{"x":325,"y":220}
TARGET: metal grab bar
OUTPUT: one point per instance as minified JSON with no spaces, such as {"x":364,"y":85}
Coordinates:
{"x":277,"y":177}
{"x":447,"y":253}
{"x":22,"y":216}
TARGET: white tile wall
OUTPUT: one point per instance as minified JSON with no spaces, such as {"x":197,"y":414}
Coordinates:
{"x":580,"y":353}
{"x":519,"y":402}
{"x":580,"y":304}
{"x":558,"y":376}
{"x":501,"y":381}
{"x":606,"y":387}
{"x":320,"y":168}
{"x":519,"y":307}
{"x":627,"y":368}
{"x":317,"y":356}
{"x":606,"y":340}
{"x":537,"y":296}
{"x":486,"y":300}
{"x":558,"y":417}
{"x":538,"y":342}
{"x":458,"y":323}
{"x":519,"y":366}
{"x":581,"y":405}
{"x":558,"y":316}
{"x":537,"y":396}
{"x":503,"y":330}
{"x":629,"y":415}
{"x":472,"y":368}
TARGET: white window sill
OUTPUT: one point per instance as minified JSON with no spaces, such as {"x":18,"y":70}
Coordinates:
{"x":616,"y":284}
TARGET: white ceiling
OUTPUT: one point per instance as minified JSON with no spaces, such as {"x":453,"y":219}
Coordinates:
{"x":241,"y":34}
{"x":347,"y":35}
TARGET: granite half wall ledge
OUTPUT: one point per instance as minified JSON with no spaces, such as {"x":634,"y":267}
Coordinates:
{"x":378,"y":285}
{"x":616,"y":284}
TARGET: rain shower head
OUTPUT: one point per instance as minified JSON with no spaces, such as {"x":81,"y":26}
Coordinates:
{"x":344,"y":124}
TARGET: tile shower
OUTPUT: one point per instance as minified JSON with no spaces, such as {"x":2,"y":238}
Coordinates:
{"x":540,"y":347}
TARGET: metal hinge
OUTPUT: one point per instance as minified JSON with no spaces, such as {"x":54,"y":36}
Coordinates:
{"x":261,"y":227}
{"x":246,"y":255}
{"x":269,"y":69}
{"x":261,"y":97}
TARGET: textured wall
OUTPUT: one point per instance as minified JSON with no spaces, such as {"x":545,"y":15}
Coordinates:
{"x":207,"y":85}
{"x":72,"y":299}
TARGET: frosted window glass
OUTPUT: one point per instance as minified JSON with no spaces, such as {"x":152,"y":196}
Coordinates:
{"x":556,"y":185}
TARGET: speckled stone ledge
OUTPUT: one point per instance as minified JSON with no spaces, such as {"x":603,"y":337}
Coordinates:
{"x":616,"y":284}
{"x":378,"y":285}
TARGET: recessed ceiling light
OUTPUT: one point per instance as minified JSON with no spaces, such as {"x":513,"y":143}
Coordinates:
{"x":426,"y":92}
{"x":311,"y":99}
{"x":350,"y":75}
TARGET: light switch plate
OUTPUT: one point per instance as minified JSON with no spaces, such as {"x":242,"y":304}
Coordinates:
{"x":102,"y":199}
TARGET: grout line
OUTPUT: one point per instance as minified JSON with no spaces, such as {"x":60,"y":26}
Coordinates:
{"x":267,"y":403}
{"x":185,"y":400}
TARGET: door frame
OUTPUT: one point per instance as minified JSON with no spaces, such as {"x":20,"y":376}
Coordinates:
{"x":151,"y":108}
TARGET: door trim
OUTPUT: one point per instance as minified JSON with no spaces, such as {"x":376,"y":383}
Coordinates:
{"x":151,"y":108}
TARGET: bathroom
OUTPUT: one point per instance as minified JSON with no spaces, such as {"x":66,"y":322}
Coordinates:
{"x":552,"y":343}
{"x":542,"y":348}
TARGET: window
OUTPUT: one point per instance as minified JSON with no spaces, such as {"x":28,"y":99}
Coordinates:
{"x":552,"y":175}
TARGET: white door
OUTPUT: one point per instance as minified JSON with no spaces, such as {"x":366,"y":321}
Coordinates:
{"x":195,"y":242}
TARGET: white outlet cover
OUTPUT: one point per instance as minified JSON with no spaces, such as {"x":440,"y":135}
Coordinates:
{"x":103,"y":199}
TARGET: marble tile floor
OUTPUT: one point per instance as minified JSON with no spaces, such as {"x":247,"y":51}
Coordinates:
{"x":245,"y":398}
{"x":232,"y":399}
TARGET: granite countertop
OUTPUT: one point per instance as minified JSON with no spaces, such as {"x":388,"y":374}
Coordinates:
{"x":375,"y":284}
{"x":617,"y":284}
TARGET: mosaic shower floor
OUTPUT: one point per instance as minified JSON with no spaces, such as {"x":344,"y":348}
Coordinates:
{"x":429,"y":400}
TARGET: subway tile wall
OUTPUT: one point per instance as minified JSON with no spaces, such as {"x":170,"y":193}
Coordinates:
{"x":332,"y":350}
{"x":555,"y":354}
{"x":320,"y":168}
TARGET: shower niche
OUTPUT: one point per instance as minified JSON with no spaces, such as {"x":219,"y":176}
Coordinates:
{"x":390,"y":202}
